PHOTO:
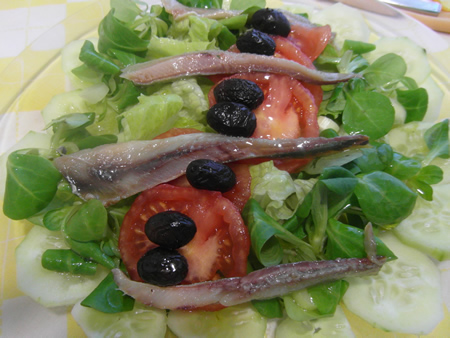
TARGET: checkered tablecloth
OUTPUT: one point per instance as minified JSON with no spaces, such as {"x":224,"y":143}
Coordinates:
{"x":32,"y":33}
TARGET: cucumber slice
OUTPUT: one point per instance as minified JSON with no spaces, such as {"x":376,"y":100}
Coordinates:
{"x":404,"y":297}
{"x":427,"y":228}
{"x":415,"y":56}
{"x":47,"y":287}
{"x":64,"y":103}
{"x":70,"y":59}
{"x":408,"y":139}
{"x":400,"y":112}
{"x":435,"y":99}
{"x":140,"y":322}
{"x":336,"y":326}
{"x":337,"y":16}
{"x":235,"y":321}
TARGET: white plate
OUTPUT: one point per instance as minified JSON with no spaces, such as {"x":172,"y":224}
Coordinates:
{"x":25,"y":91}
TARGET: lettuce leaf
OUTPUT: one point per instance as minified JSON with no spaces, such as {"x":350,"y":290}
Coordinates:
{"x":180,"y":104}
{"x":275,"y":190}
{"x":152,"y":116}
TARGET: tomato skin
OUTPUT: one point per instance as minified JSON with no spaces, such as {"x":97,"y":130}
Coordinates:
{"x":312,"y":40}
{"x":288,"y":49}
{"x":222,"y":242}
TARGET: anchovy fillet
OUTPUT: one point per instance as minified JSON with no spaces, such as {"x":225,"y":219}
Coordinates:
{"x":180,"y":11}
{"x":214,"y":62}
{"x":261,"y":284}
{"x":115,"y":171}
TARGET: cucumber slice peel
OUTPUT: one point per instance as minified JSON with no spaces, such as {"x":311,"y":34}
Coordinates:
{"x":404,"y":297}
{"x":428,"y":227}
{"x":140,"y":322}
{"x":235,"y":321}
{"x":50,"y":288}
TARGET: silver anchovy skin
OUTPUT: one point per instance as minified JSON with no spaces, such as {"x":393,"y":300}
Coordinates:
{"x":212,"y":62}
{"x":113,"y":172}
{"x":261,"y":284}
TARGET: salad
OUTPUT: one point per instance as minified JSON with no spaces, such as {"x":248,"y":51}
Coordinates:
{"x":282,"y":210}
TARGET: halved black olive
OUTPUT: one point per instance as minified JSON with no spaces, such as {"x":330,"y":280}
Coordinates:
{"x":240,"y":91}
{"x":271,"y":21}
{"x":232,"y":119}
{"x":210,"y":175}
{"x":256,"y":42}
{"x":170,"y":229}
{"x":162,"y":267}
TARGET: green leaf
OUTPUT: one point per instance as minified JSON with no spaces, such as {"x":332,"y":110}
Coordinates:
{"x":319,"y":213}
{"x":346,"y":241}
{"x":415,"y":102}
{"x":54,"y":219}
{"x":91,"y":251}
{"x":423,"y":189}
{"x":265,"y":234}
{"x":125,"y":10}
{"x":269,"y":308}
{"x":340,"y":183}
{"x":243,"y":5}
{"x":384,"y":199}
{"x":202,"y":3}
{"x":387,"y":69}
{"x":437,"y":141}
{"x":113,"y":34}
{"x":71,"y":127}
{"x":88,"y":223}
{"x":127,"y":94}
{"x":315,"y":302}
{"x":358,"y":47}
{"x":431,"y":174}
{"x":96,"y":140}
{"x":368,"y":113}
{"x":126,"y":59}
{"x":63,"y":260}
{"x":403,"y":167}
{"x":152,"y":116}
{"x":262,"y":229}
{"x":99,"y":62}
{"x":107,"y":297}
{"x":31,"y":184}
{"x":327,"y":296}
{"x":409,"y":83}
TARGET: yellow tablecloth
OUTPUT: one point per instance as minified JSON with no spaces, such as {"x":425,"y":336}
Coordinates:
{"x":32,"y":33}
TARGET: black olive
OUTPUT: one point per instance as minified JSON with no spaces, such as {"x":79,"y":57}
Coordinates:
{"x":256,"y":42}
{"x":240,"y":91}
{"x":162,"y":267}
{"x":271,"y":21}
{"x":232,"y":119}
{"x":210,"y":175}
{"x":170,"y":229}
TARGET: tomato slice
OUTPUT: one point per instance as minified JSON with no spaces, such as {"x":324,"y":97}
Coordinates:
{"x":220,"y":246}
{"x":289,"y":110}
{"x":311,"y":40}
{"x":288,"y":49}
